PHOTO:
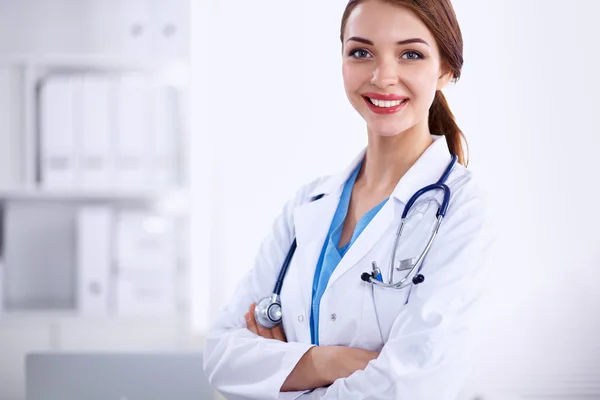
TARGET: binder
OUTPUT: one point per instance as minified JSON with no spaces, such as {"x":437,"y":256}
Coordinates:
{"x":132,"y":136}
{"x":164,"y":137}
{"x":9,"y":127}
{"x":94,"y":254}
{"x":145,"y":242}
{"x":57,"y":136}
{"x":146,"y":260}
{"x":96,"y":170}
{"x":145,"y":293}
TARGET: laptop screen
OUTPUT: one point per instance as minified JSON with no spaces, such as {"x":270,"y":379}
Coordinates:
{"x":118,"y":376}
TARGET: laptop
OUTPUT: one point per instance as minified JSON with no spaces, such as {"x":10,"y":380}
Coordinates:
{"x":116,"y":376}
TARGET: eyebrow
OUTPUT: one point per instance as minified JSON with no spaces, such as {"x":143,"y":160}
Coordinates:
{"x":400,"y":43}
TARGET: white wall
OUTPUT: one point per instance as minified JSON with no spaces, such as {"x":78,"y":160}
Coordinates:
{"x":270,"y":114}
{"x":256,"y":124}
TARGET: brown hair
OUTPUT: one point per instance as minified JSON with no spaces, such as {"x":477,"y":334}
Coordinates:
{"x":440,"y":19}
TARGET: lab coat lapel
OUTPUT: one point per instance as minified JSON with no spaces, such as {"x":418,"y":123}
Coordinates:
{"x":365,"y":242}
{"x":312,"y":221}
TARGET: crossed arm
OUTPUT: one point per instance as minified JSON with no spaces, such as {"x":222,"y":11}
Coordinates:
{"x":320,"y":366}
{"x":431,"y":340}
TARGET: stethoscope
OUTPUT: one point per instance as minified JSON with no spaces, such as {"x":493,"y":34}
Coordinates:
{"x":268,"y":310}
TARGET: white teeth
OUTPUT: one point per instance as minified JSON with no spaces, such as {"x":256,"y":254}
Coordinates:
{"x":386,"y":104}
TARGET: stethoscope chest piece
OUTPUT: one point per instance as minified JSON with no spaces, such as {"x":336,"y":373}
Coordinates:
{"x":268,"y":311}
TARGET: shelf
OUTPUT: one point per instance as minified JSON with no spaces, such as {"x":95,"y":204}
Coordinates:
{"x":25,"y":317}
{"x":174,"y":72}
{"x":74,"y":194}
{"x":93,"y":60}
{"x":172,"y":202}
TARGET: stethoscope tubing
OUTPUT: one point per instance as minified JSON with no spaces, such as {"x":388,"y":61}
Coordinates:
{"x":262,"y":310}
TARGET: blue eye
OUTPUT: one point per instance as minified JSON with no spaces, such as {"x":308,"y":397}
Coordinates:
{"x":359,"y":53}
{"x":412,"y":55}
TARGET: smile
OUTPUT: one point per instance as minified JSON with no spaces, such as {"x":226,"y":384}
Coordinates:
{"x":385,"y":106}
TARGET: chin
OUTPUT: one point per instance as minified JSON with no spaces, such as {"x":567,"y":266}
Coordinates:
{"x":386,"y":129}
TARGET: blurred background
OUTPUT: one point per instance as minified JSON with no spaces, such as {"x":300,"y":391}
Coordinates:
{"x":147,"y":145}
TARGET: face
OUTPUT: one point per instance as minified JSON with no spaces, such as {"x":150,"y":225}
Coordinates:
{"x":391,"y":68}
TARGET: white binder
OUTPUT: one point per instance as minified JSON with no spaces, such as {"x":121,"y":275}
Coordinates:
{"x":96,"y":170}
{"x":164,"y":137}
{"x":94,"y":255}
{"x":145,"y":293}
{"x":58,"y":146}
{"x":132,"y":135}
{"x":145,"y":242}
{"x":10,"y":111}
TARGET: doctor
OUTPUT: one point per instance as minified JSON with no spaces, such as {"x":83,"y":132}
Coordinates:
{"x":343,"y":337}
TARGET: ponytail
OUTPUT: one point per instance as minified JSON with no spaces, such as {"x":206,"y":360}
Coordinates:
{"x":442,"y":122}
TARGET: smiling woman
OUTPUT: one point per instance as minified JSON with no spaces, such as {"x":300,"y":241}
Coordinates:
{"x":327,"y":328}
{"x":425,"y":43}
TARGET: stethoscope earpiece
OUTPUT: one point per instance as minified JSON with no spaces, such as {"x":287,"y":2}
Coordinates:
{"x":418,"y":279}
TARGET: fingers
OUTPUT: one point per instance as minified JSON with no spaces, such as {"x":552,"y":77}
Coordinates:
{"x":251,"y":323}
{"x":264,"y":332}
{"x":278,"y":334}
{"x":254,"y":327}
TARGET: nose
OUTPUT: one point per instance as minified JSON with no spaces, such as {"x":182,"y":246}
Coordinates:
{"x":385,"y":74}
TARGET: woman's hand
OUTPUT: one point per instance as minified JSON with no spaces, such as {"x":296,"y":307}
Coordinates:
{"x":320,"y":366}
{"x":344,"y":361}
{"x":253,"y":326}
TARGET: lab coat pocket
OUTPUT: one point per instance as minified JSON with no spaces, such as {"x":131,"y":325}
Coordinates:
{"x":380,"y":308}
{"x":371,"y":337}
{"x":382,"y":305}
{"x":388,"y":302}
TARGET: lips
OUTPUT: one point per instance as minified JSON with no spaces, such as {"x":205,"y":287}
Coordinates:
{"x":385,"y":96}
{"x":385,"y":103}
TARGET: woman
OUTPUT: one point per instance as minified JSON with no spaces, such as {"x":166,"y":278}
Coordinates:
{"x":342,"y":337}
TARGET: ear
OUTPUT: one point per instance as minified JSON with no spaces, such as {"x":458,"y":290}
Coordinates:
{"x":445,"y":78}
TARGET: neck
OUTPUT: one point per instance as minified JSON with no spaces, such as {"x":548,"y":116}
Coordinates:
{"x":389,"y":158}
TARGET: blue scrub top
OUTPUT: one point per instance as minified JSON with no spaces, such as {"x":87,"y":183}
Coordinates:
{"x":331,"y":255}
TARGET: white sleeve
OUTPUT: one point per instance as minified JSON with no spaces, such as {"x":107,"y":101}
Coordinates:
{"x":238,"y":363}
{"x":430,"y":348}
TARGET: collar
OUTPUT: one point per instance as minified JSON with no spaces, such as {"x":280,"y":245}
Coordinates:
{"x":427,"y":170}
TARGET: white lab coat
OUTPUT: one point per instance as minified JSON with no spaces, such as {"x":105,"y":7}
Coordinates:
{"x":426,"y":345}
